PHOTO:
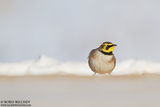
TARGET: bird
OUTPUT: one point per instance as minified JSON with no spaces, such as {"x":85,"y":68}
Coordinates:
{"x":102,"y":60}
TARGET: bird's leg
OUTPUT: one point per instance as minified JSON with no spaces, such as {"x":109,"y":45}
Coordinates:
{"x":109,"y":74}
{"x":94,"y":74}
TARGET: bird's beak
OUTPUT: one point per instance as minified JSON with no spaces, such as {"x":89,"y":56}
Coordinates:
{"x":114,"y":45}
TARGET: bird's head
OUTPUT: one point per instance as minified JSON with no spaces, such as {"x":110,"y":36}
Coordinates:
{"x":107,"y":48}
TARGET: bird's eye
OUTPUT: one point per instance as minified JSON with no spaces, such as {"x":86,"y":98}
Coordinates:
{"x":108,"y":46}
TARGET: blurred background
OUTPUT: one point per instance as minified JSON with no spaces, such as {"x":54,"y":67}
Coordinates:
{"x":68,"y":29}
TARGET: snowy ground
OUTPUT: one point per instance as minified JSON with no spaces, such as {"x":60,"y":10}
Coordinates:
{"x":45,"y":65}
{"x":81,"y":90}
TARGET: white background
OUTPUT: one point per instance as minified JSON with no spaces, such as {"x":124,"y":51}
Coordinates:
{"x":69,"y":29}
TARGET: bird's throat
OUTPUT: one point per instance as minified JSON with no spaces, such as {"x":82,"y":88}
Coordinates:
{"x":106,"y":53}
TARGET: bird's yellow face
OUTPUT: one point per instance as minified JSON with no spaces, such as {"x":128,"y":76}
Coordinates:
{"x":107,"y":47}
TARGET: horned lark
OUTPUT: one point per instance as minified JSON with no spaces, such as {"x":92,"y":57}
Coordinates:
{"x":102,"y":60}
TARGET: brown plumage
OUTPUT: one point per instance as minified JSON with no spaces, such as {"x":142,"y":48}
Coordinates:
{"x":101,"y":62}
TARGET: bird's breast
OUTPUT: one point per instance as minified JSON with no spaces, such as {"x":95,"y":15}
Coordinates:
{"x":103,"y":63}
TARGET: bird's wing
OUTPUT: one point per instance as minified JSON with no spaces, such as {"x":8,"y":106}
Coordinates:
{"x":92,"y":54}
{"x":114,"y":60}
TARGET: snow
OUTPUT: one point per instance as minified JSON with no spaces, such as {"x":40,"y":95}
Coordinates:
{"x":137,"y":67}
{"x":45,"y":66}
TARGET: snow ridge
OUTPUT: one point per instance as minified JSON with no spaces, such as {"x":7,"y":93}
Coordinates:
{"x":45,"y":66}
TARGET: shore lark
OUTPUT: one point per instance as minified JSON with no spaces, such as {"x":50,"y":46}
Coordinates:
{"x":102,"y":60}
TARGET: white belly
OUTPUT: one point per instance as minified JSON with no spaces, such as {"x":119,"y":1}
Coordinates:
{"x":103,"y":63}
